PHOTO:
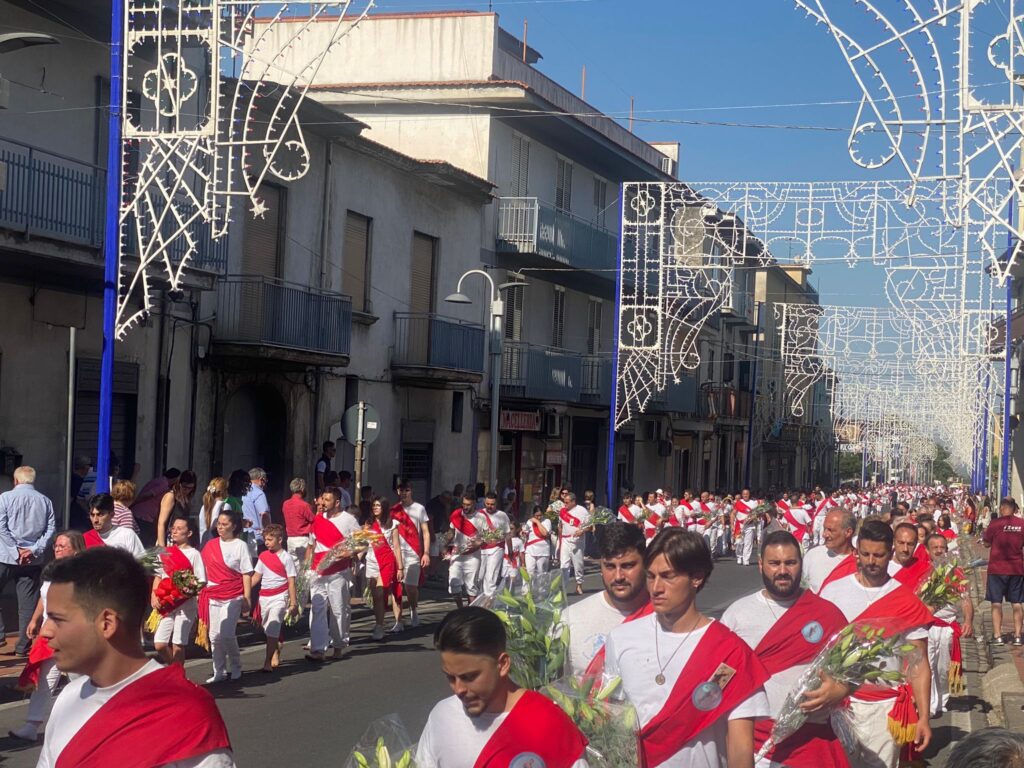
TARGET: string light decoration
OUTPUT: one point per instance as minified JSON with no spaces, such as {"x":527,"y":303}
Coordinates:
{"x":940,"y":99}
{"x":678,"y":261}
{"x":212,"y":101}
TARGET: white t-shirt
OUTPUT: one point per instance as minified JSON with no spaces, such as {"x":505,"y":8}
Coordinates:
{"x":453,"y":739}
{"x":235,"y":554}
{"x":195,"y":557}
{"x":819,"y":562}
{"x":751,"y":617}
{"x":371,"y":558}
{"x":218,"y":504}
{"x":346,"y":525}
{"x":582,"y":514}
{"x":485,"y":521}
{"x":270,"y":580}
{"x":630,"y":653}
{"x":799,"y":514}
{"x":589,"y":621}
{"x":418,"y":515}
{"x":633,"y":510}
{"x":123,"y":538}
{"x":80,"y":700}
{"x":537,"y":547}
{"x":460,"y":540}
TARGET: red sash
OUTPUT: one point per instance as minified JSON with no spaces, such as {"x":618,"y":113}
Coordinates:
{"x":538,"y":531}
{"x":799,"y":529}
{"x":847,"y":566}
{"x":227,"y":582}
{"x":385,"y":556}
{"x":625,"y":512}
{"x":956,"y":656}
{"x":595,"y":669}
{"x":28,"y":680}
{"x":93,"y":539}
{"x":490,"y":527}
{"x":679,"y":720}
{"x":914,"y":574}
{"x":568,"y":518}
{"x":784,"y":645}
{"x":826,"y":503}
{"x":132,"y":729}
{"x":707,"y":511}
{"x":462,"y":524}
{"x":327,"y":533}
{"x":651,"y":525}
{"x":535,"y":725}
{"x":742,"y":512}
{"x":814,"y":745}
{"x":174,"y":560}
{"x":273,"y":563}
{"x":407,"y":529}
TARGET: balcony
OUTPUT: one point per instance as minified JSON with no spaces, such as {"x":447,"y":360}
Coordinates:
{"x":535,"y":233}
{"x":740,"y":309}
{"x":596,"y":384}
{"x":46,"y":194}
{"x":268,"y":318}
{"x":725,"y":403}
{"x":539,"y":373}
{"x":434,"y":349}
{"x":678,"y":398}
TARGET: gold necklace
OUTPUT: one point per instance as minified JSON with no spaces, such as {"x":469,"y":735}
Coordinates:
{"x":660,"y":677}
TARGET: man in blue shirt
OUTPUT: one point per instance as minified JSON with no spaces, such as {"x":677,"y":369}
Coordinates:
{"x":27,"y":525}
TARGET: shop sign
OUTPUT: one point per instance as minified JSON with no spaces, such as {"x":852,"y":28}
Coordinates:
{"x":519,"y":421}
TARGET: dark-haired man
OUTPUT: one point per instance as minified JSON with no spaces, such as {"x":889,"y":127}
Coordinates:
{"x":1004,"y":538}
{"x":490,"y":722}
{"x":492,"y":555}
{"x":120,"y":710}
{"x":624,"y":598}
{"x":870,"y":594}
{"x":696,"y":686}
{"x":574,"y":522}
{"x":104,"y":532}
{"x":787,"y":626}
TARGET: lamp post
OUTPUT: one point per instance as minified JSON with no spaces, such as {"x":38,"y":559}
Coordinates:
{"x":495,"y":347}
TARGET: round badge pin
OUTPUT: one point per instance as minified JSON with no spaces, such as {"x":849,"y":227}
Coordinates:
{"x":527,"y":760}
{"x":813,"y":632}
{"x":707,"y":696}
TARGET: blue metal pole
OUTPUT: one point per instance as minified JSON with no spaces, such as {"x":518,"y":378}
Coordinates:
{"x":610,"y":476}
{"x":753,"y":401}
{"x":111,"y":245}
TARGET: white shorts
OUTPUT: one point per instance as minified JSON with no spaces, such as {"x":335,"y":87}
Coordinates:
{"x":176,"y":627}
{"x":272,"y":610}
{"x":411,"y":573}
{"x":464,"y":572}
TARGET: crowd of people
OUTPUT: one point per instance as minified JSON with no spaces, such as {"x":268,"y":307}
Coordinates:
{"x":825,"y":559}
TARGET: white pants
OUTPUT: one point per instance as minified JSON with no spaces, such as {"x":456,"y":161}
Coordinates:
{"x":272,"y":613}
{"x":745,"y":544}
{"x":818,"y":529}
{"x":491,"y":561}
{"x":297,"y":547}
{"x":464,"y":573}
{"x":224,"y":615}
{"x":713,"y":537}
{"x":41,"y":702}
{"x":331,"y":613}
{"x":176,"y":627}
{"x":871,"y":725}
{"x":940,"y":643}
{"x":537,"y":564}
{"x":572,"y":555}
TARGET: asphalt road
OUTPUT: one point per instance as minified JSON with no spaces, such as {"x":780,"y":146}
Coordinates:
{"x":311,"y":716}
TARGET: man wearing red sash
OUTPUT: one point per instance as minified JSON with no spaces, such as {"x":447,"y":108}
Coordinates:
{"x":275,"y":576}
{"x":944,"y":653}
{"x":330,"y":593}
{"x":870,"y":594}
{"x":537,"y":541}
{"x":414,"y":541}
{"x":490,"y":722}
{"x":574,"y":522}
{"x":104,"y":532}
{"x":742,"y":530}
{"x":696,"y":686}
{"x":787,"y":626}
{"x":623,"y":598}
{"x":492,"y":555}
{"x":836,"y":558}
{"x":124,"y":710}
{"x":821,"y":507}
{"x":794,"y":518}
{"x":911,"y":564}
{"x":464,"y":565}
{"x":628,"y":513}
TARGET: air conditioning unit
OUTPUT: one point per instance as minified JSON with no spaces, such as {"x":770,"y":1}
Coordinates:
{"x":552,"y":425}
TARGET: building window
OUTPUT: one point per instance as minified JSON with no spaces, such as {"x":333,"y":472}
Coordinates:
{"x":558,"y":318}
{"x":600,"y":201}
{"x":594,"y":312}
{"x":457,"y":407}
{"x":520,"y":166}
{"x":355,"y":260}
{"x":563,"y":185}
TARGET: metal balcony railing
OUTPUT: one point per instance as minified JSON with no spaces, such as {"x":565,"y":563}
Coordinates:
{"x":432,"y":341}
{"x":725,"y":402}
{"x":596,"y":384}
{"x":253,"y":309}
{"x":51,"y":195}
{"x":527,"y":225}
{"x":540,"y":373}
{"x":676,"y":398}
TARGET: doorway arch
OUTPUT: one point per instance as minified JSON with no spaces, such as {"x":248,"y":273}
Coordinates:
{"x":255,"y":435}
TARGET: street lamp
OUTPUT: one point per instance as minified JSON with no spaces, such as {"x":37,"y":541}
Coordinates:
{"x":497,"y":314}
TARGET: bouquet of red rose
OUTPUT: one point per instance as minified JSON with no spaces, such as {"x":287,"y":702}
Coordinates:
{"x":172,"y":592}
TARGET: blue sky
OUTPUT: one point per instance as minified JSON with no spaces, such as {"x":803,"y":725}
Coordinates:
{"x":712,"y":62}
